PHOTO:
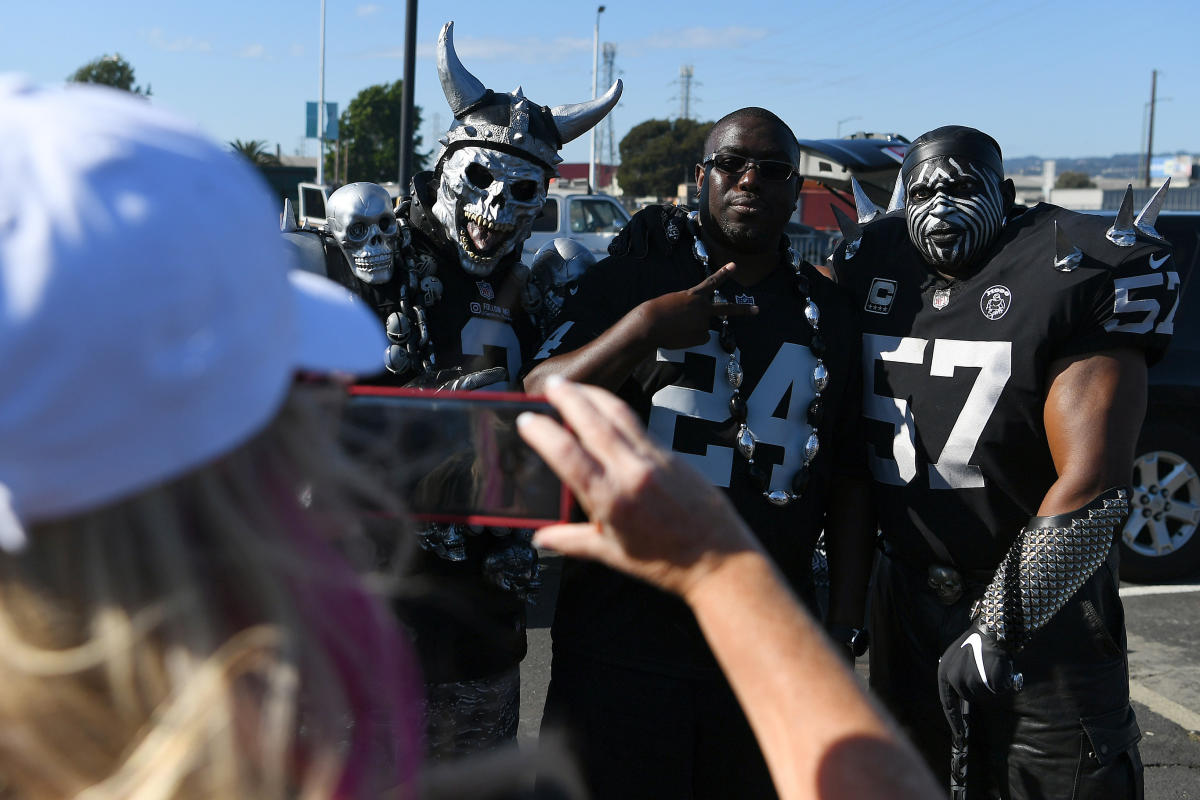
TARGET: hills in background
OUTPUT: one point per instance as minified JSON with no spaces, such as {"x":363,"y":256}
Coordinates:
{"x":1122,"y":165}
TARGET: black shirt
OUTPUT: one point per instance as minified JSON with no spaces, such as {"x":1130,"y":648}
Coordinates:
{"x":683,"y":396}
{"x":955,"y":371}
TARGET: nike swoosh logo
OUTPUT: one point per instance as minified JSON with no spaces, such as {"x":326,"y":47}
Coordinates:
{"x":975,"y":642}
{"x":573,"y":290}
{"x":1156,"y":263}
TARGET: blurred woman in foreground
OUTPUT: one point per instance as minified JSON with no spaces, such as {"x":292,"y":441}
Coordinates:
{"x":174,"y":621}
{"x":656,"y":519}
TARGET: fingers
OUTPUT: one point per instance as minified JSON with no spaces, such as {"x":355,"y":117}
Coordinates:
{"x":608,"y":442}
{"x":610,"y":406}
{"x":562,"y":452}
{"x":711,"y":283}
{"x":578,"y":539}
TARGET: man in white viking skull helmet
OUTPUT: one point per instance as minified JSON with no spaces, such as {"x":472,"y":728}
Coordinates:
{"x":468,"y":219}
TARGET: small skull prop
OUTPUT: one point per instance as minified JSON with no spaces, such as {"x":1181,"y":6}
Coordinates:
{"x":557,"y":268}
{"x":486,"y":203}
{"x":363,"y":224}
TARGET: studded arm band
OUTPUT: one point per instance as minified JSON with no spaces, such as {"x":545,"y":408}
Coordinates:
{"x":1049,"y":561}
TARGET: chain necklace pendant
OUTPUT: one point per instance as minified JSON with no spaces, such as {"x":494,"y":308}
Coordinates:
{"x":779,"y":497}
{"x":820,"y":377}
{"x":745,"y":442}
{"x":812,"y":314}
{"x":733,"y":372}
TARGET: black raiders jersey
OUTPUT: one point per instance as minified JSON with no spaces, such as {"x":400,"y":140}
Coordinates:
{"x":955,"y":371}
{"x":477,"y":323}
{"x":683,"y":396}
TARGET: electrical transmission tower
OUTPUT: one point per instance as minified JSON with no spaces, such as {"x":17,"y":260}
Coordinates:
{"x":686,"y":74}
{"x":607,"y":135}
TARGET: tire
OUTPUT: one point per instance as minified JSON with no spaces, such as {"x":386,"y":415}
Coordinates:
{"x":1161,"y":540}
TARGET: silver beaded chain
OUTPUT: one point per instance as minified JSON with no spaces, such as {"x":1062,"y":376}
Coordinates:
{"x":745,"y":442}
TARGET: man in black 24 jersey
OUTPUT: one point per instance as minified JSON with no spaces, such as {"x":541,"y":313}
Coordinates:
{"x":1004,"y":384}
{"x":763,"y":404}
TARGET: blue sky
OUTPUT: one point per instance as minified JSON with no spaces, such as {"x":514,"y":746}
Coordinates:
{"x":1046,"y":78}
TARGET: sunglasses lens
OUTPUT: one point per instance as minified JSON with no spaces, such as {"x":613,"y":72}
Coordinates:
{"x":774,"y":170}
{"x":727,"y":162}
{"x":732,"y":164}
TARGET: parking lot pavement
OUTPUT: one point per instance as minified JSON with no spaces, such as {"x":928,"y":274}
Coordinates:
{"x":1163,"y":624}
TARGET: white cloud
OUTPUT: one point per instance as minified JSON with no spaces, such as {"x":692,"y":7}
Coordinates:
{"x":368,"y":10}
{"x":256,"y":50}
{"x":185,"y":44}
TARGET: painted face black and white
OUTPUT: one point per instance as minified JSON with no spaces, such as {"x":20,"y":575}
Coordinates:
{"x":954,"y":209}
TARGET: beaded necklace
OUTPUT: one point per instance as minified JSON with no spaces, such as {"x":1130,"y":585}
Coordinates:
{"x":745,"y":442}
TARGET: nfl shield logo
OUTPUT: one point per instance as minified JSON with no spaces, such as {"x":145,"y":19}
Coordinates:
{"x":485,"y":290}
{"x":744,"y":299}
{"x":941,"y":299}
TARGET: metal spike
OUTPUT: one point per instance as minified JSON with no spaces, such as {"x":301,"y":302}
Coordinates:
{"x":897,"y":201}
{"x":1123,"y":233}
{"x":287,"y":220}
{"x":1149,"y":215}
{"x":517,"y":91}
{"x":1066,"y":255}
{"x":444,"y":141}
{"x":866,"y":208}
{"x":462,"y":89}
{"x":851,"y":231}
{"x":575,"y":120}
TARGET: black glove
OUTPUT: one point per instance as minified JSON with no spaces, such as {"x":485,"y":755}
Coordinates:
{"x":976,"y":664}
{"x":453,"y":379}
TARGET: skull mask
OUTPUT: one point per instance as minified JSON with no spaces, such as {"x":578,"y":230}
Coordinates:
{"x":486,"y":203}
{"x":557,"y":268}
{"x":363,"y":224}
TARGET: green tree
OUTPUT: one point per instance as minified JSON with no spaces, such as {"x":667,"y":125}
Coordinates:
{"x":1074,"y":180}
{"x":370,"y":134}
{"x":657,"y":155}
{"x":109,"y":70}
{"x":255,"y":150}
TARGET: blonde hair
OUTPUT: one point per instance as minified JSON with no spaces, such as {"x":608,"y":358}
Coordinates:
{"x":176,"y":644}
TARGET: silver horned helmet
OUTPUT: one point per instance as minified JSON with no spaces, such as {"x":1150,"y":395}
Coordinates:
{"x":362,"y":222}
{"x":496,"y":159}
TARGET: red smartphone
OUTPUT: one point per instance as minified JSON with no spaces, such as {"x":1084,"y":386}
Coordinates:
{"x":455,"y":456}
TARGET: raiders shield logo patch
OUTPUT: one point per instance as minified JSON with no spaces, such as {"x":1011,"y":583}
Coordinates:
{"x":995,"y":302}
{"x":881,"y":295}
{"x":485,"y":290}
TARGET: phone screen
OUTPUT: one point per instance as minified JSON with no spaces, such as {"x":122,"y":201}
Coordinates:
{"x":454,"y":456}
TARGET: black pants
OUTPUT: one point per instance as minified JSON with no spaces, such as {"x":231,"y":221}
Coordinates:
{"x":1070,"y":733}
{"x":640,"y":734}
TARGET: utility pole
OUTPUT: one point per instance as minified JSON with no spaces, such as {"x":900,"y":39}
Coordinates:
{"x":406,"y":94}
{"x":686,"y":72}
{"x":595,"y":75}
{"x":610,"y":57}
{"x":1150,"y":132}
{"x":321,"y":106}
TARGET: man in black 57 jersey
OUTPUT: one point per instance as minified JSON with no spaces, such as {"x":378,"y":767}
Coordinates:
{"x":1004,"y":385}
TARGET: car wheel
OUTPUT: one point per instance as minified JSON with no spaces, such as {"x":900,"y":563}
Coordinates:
{"x":1160,"y":541}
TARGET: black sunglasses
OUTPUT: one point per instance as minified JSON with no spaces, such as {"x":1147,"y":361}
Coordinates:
{"x":733,"y":164}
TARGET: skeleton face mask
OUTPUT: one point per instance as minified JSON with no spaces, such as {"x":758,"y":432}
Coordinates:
{"x":486,"y":204}
{"x":363,"y":224}
{"x":954,"y":209}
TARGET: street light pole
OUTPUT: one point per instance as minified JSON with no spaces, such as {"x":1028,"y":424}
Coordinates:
{"x":321,"y":106}
{"x":595,"y":73}
{"x":841,"y":122}
{"x":407,"y":112}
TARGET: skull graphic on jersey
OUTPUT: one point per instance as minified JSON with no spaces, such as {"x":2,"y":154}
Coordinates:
{"x":955,"y":210}
{"x":486,"y":203}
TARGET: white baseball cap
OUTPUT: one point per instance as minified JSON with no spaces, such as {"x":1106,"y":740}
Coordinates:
{"x":149,"y":318}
